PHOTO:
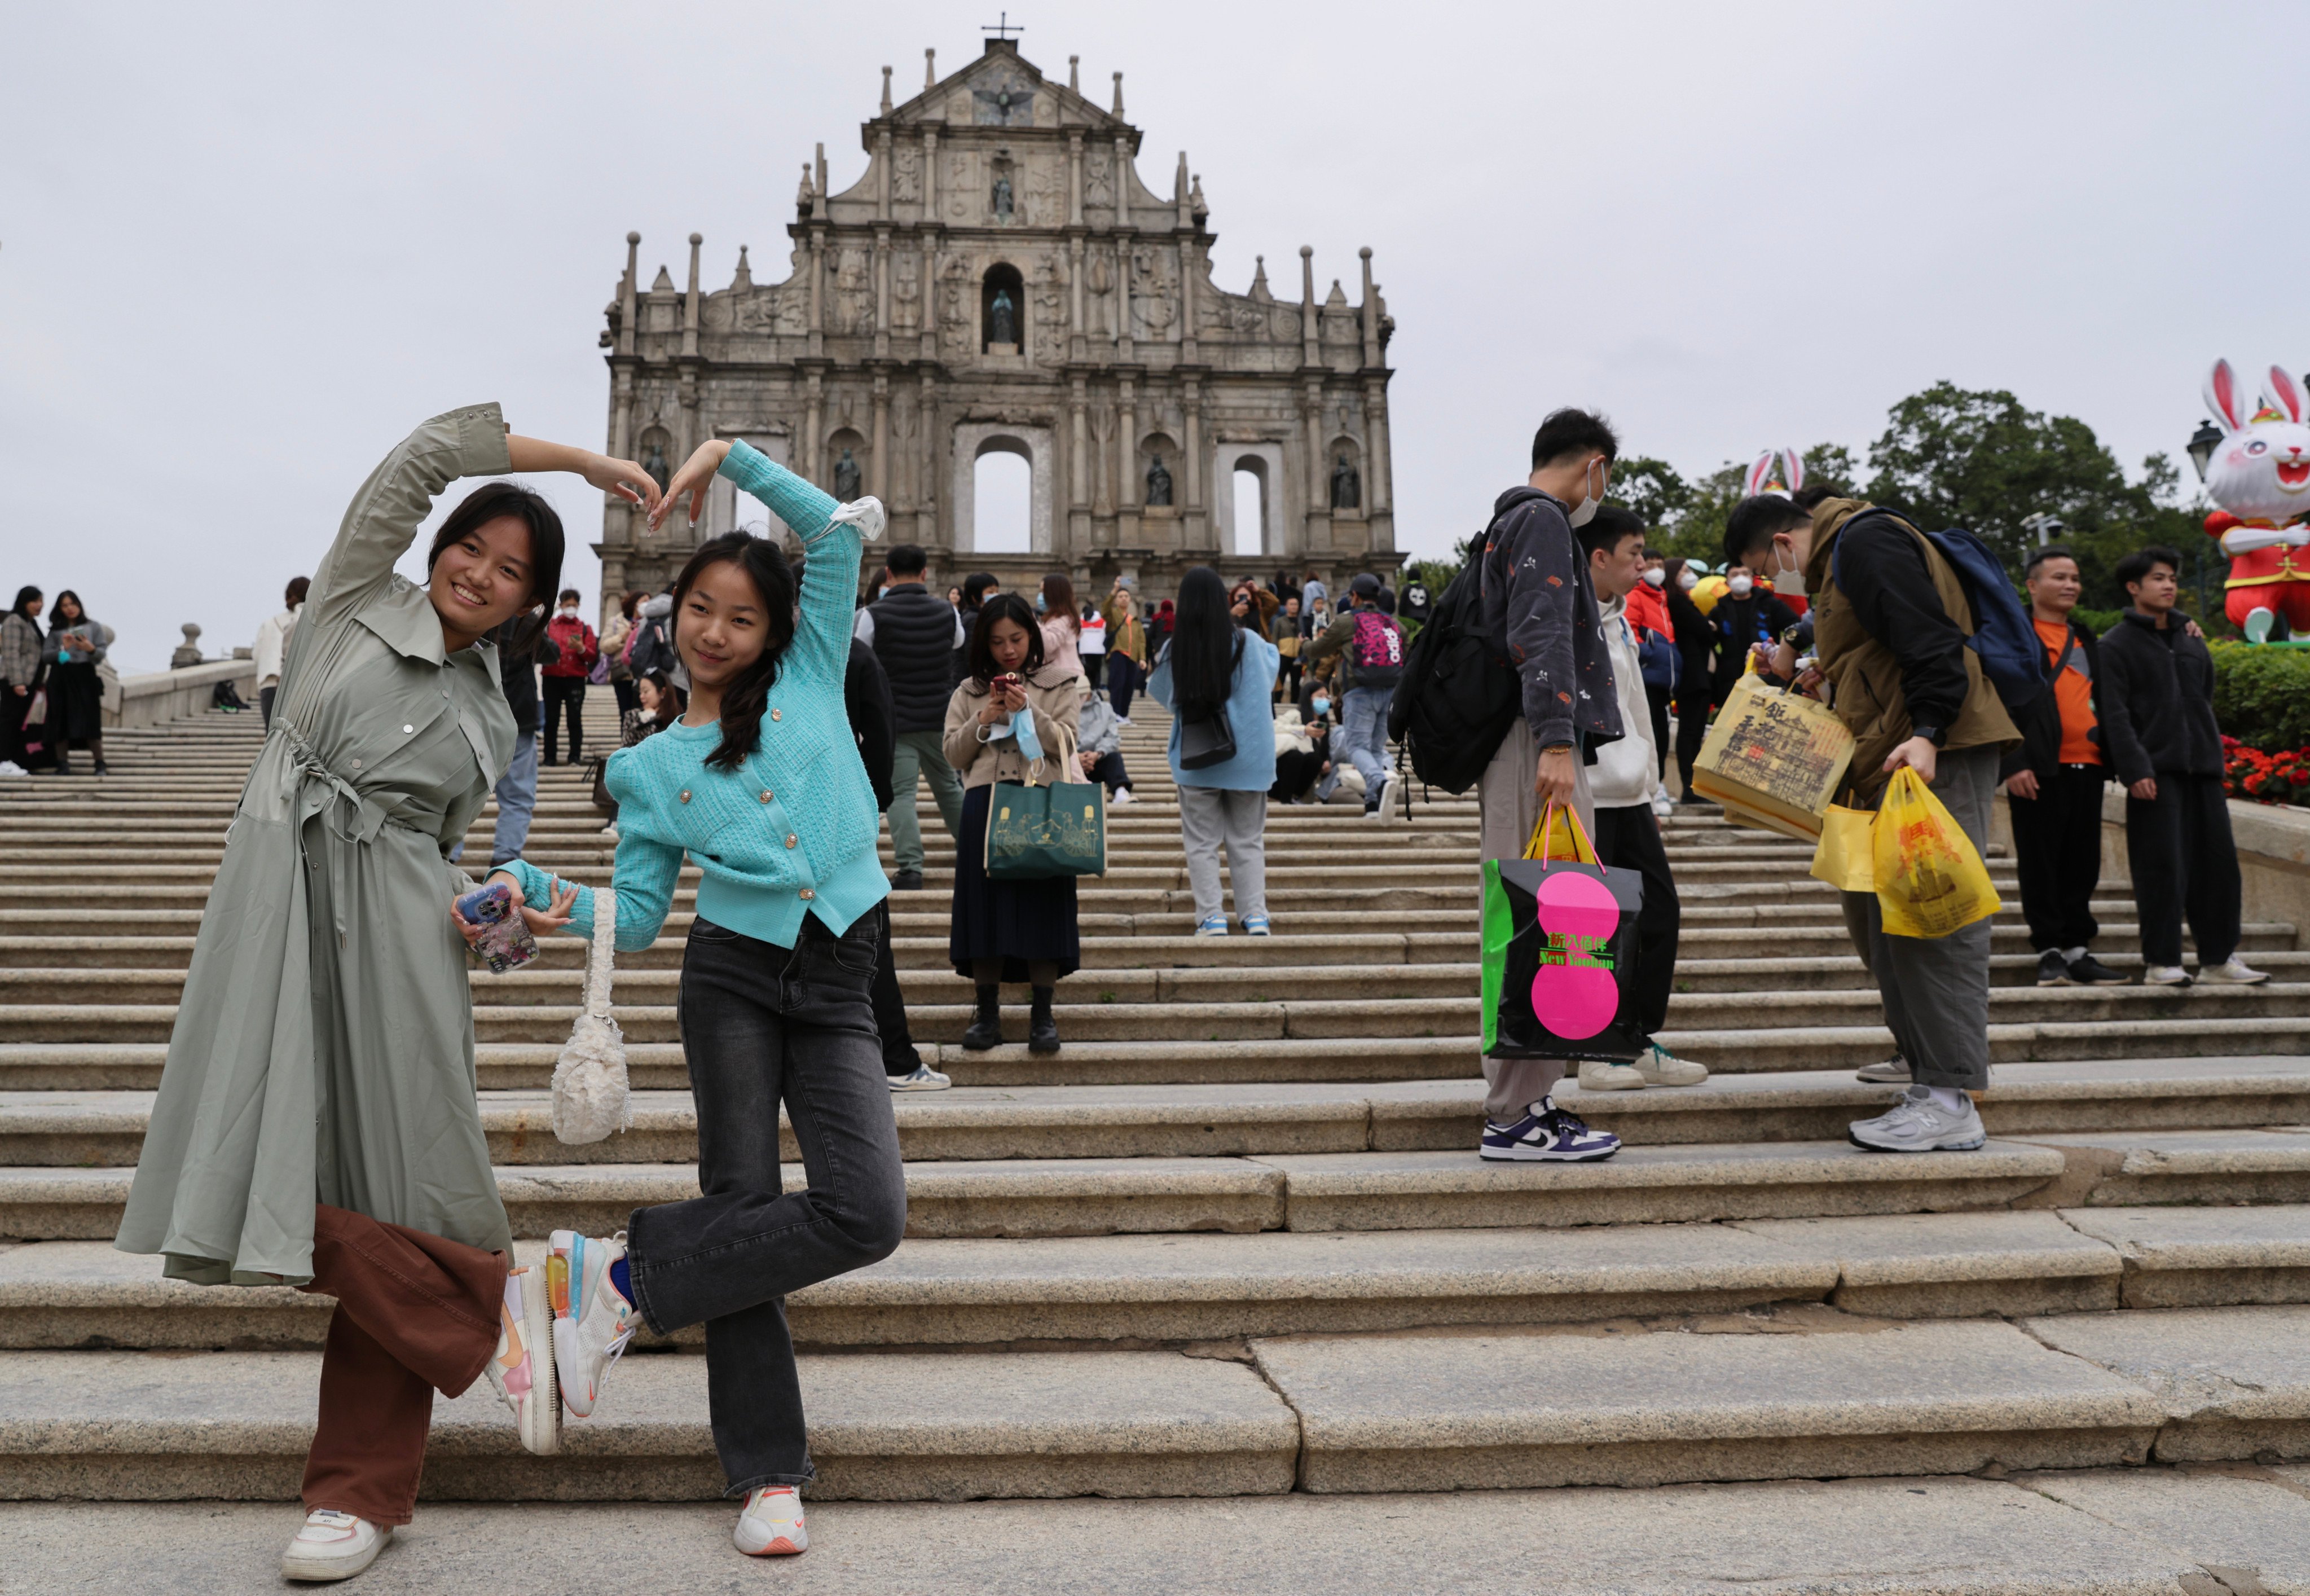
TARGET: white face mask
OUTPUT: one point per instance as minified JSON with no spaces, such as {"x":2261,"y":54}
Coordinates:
{"x":1687,"y":580}
{"x":1787,"y":579}
{"x":1739,"y":586}
{"x":569,"y":610}
{"x":1586,"y":510}
{"x":1656,"y":578}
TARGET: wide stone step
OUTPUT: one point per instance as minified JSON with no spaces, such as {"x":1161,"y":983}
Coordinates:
{"x":92,"y":1128}
{"x":1188,"y":1289}
{"x":131,"y":1425}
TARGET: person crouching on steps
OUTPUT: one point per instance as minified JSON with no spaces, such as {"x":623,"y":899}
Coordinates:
{"x":1009,"y":931}
{"x":762,"y":784}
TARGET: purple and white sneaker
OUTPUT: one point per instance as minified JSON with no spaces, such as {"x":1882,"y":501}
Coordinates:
{"x":1548,"y":1135}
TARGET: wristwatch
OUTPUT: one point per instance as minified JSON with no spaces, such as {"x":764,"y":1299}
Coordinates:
{"x":1932,"y":734}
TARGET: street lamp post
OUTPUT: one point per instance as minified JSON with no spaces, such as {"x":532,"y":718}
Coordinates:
{"x":2202,"y":445}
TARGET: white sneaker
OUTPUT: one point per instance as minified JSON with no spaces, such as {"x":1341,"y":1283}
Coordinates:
{"x":522,"y":1369}
{"x":2164,"y":975}
{"x":924,"y":1079}
{"x":1603,"y":1075}
{"x":2235,"y":973}
{"x":1122,"y":796}
{"x":1891,"y":1072}
{"x":593,"y":1322}
{"x":1664,"y":805}
{"x":772,"y":1525}
{"x":1388,"y":812}
{"x":1660,"y":1067}
{"x":1918,"y":1125}
{"x":332,"y":1546}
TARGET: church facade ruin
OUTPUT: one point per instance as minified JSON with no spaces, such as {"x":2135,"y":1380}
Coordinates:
{"x":1001,"y":281}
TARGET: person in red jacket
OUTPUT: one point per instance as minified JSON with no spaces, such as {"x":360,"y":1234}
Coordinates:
{"x":565,"y":678}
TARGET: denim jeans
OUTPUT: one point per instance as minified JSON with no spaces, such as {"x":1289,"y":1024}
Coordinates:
{"x":1364,"y":729}
{"x":763,"y":1024}
{"x":517,"y":799}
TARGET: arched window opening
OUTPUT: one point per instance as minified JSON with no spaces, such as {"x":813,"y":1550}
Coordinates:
{"x":1250,"y":507}
{"x":1002,"y":485}
{"x":1002,"y":311}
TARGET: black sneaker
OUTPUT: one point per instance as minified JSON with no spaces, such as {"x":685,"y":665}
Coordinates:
{"x":907,"y":880}
{"x":2053,"y":969}
{"x":2089,"y":971}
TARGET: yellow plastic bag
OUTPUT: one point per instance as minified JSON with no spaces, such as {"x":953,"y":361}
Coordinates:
{"x":1557,"y":836}
{"x":1930,"y":880}
{"x":1847,"y":858}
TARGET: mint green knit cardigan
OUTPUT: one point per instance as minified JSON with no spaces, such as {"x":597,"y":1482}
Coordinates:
{"x":792,"y":831}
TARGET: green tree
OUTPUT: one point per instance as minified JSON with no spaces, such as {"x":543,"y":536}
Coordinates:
{"x":1984,"y":461}
{"x":1650,"y":490}
{"x":1830,"y":466}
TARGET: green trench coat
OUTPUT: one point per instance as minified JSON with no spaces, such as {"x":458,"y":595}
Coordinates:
{"x":323,"y":1050}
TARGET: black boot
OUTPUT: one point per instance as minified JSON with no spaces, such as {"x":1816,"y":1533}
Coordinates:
{"x":986,"y":1028}
{"x":1042,"y":1029}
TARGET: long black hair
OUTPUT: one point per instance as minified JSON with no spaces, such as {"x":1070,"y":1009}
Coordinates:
{"x":1205,"y":645}
{"x":1003,"y":606}
{"x":27,"y":596}
{"x":485,"y":504}
{"x":56,"y":621}
{"x":745,"y":699}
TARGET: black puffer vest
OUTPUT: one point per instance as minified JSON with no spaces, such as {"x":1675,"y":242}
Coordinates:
{"x":914,"y":639}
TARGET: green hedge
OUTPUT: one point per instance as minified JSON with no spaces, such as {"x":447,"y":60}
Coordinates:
{"x":2262,"y":696}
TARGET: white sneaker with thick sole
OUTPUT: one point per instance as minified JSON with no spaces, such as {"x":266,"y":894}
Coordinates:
{"x":332,"y":1546}
{"x":1122,"y":795}
{"x":922,"y":1078}
{"x":593,"y":1322}
{"x":1660,"y":1067}
{"x":522,"y":1369}
{"x":1389,"y":788}
{"x":1890,"y":1071}
{"x":2164,"y":975}
{"x":2235,"y":973}
{"x":1918,"y":1125}
{"x":1603,"y":1075}
{"x":772,"y":1525}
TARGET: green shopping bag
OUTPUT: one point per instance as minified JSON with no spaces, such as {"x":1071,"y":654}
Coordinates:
{"x":1037,"y":830}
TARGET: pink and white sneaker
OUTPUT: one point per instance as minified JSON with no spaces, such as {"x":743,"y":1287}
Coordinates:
{"x":523,"y":1368}
{"x":332,"y":1546}
{"x":593,"y":1322}
{"x":772,"y":1525}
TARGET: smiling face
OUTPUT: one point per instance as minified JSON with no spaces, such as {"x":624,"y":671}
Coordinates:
{"x":482,"y":580}
{"x":2263,"y":473}
{"x":648,"y":694}
{"x":721,"y":627}
{"x":1008,"y":641}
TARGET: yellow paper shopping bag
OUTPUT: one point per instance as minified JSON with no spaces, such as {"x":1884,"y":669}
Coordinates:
{"x":1847,"y":858}
{"x":1930,"y":880}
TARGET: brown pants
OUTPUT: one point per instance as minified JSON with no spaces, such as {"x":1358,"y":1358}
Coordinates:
{"x":1507,"y":810}
{"x":416,"y":1313}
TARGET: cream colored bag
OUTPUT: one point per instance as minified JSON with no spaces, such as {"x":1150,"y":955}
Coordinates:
{"x":590,"y":1095}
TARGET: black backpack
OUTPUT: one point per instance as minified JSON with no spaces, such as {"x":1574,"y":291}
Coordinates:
{"x":1458,"y":695}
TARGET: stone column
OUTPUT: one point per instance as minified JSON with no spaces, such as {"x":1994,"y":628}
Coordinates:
{"x":1126,"y":445}
{"x":1190,"y":261}
{"x":930,"y":174}
{"x":1078,"y":467}
{"x":1191,"y":419}
{"x":1075,"y":177}
{"x":1078,"y":346}
{"x":926,"y":460}
{"x":628,"y":311}
{"x":1124,"y":352}
{"x":807,"y":446}
{"x":883,"y":159}
{"x":1319,"y":488}
{"x":881,"y":474}
{"x":1370,"y":312}
{"x":689,"y":302}
{"x":1378,"y":489}
{"x":817,"y":293}
{"x":882,"y":289}
{"x":930,"y":280}
{"x":1307,"y":354}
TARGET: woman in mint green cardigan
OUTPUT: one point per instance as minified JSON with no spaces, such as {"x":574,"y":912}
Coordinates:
{"x":760,"y":783}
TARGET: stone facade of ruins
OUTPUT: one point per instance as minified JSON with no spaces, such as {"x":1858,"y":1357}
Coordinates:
{"x":1000,"y":279}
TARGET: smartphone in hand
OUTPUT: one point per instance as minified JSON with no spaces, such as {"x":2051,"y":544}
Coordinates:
{"x":504,"y":942}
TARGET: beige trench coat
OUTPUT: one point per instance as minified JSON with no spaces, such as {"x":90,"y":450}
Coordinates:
{"x":324,"y":1049}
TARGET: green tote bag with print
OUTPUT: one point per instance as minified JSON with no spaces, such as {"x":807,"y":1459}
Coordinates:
{"x":1037,"y":830}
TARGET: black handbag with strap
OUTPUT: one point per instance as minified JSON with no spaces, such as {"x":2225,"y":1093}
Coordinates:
{"x":1203,"y":744}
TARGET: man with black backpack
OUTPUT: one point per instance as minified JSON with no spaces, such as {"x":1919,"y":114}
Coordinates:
{"x":1372,"y":647}
{"x":1893,"y":613}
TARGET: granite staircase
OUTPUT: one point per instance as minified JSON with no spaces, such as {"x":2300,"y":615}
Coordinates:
{"x":1234,"y":1240}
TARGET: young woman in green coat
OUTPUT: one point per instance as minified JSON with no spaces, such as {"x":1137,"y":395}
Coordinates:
{"x":316,"y":1124}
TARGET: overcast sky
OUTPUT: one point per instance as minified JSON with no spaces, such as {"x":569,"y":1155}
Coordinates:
{"x":244,"y":248}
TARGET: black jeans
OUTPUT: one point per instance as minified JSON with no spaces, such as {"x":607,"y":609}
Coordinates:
{"x":1123,"y":678}
{"x":763,"y":1024}
{"x":1656,"y":700}
{"x":560,"y":691}
{"x":898,"y":1041}
{"x":265,"y":696}
{"x":628,"y":695}
{"x":1108,"y":771}
{"x":1090,"y":668}
{"x":1629,"y":840}
{"x":2057,"y":854}
{"x":1692,"y":701}
{"x":2183,"y":861}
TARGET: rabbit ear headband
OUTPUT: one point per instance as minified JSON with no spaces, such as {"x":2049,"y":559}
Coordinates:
{"x":1760,"y":477}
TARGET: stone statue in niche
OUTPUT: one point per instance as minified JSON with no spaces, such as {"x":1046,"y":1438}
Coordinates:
{"x":1347,"y":485}
{"x":846,"y":478}
{"x":852,"y":313}
{"x":906,"y":288}
{"x":1003,"y":201}
{"x":1003,"y":319}
{"x":1159,"y":484}
{"x":906,"y":173}
{"x":1097,"y":188}
{"x":656,"y":464}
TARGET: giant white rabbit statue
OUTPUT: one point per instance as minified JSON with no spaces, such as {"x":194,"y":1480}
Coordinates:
{"x":2260,"y":476}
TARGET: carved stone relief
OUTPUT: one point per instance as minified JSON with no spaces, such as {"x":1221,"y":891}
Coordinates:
{"x":1154,"y":305}
{"x":906,"y":291}
{"x":906,"y":174}
{"x":1098,"y":180}
{"x":853,"y":311}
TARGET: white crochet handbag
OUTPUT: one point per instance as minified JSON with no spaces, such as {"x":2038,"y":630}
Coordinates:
{"x":590,"y":1095}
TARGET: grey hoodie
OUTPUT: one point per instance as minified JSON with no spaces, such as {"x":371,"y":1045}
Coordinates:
{"x":1539,"y":608}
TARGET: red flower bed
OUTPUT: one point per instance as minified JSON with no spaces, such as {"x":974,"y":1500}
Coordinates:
{"x":2266,"y":778}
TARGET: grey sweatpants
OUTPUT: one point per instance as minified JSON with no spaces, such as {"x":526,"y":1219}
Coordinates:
{"x":1509,"y":809}
{"x":1936,"y":989}
{"x":1210,"y":818}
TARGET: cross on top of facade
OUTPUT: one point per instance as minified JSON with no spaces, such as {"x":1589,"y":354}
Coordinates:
{"x":1004,"y":29}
